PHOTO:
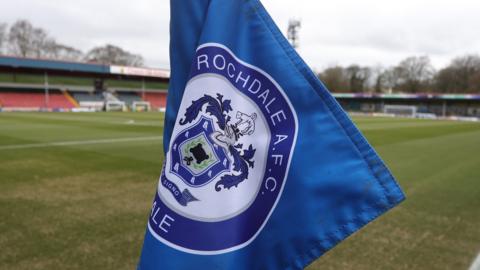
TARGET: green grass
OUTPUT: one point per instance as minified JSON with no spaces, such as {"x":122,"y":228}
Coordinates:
{"x":85,"y":206}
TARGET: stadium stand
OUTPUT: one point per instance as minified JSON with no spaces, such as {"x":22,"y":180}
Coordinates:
{"x":157,"y":99}
{"x":128,"y":97}
{"x":25,"y":82}
{"x":90,"y":100}
{"x":442,"y":105}
{"x":87,"y":96}
{"x":109,"y":96}
{"x":34,"y":99}
{"x":39,"y":84}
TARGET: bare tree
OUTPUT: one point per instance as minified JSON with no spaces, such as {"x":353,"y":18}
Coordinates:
{"x":475,"y":83}
{"x":358,"y":78}
{"x":379,"y":79}
{"x":335,"y":78}
{"x":110,"y":54}
{"x":414,"y":74}
{"x":3,"y":34}
{"x":28,"y":41}
{"x":467,"y":69}
{"x":460,"y":76}
{"x":387,"y":79}
{"x":445,"y":81}
{"x":20,"y":38}
{"x":63,"y":52}
{"x":40,"y":42}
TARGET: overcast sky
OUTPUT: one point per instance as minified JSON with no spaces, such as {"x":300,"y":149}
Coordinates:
{"x":367,"y":32}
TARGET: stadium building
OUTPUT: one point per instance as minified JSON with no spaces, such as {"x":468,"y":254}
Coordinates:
{"x":414,"y":105}
{"x":47,"y":85}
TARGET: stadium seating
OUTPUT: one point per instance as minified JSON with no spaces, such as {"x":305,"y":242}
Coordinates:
{"x":157,"y":100}
{"x":87,"y":96}
{"x":56,"y":100}
{"x":128,"y":97}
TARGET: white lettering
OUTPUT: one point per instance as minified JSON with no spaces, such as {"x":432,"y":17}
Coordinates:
{"x":277,"y":116}
{"x":240,"y":78}
{"x":164,"y":224}
{"x":155,"y":215}
{"x":278,"y":159}
{"x":202,"y":59}
{"x":153,"y":208}
{"x":268,"y":105}
{"x":258,"y":85}
{"x":232,"y":68}
{"x":264,"y":95}
{"x":224,"y":63}
{"x":280,"y":138}
{"x":271,"y":184}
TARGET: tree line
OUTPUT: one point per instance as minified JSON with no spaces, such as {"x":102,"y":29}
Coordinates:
{"x":412,"y":75}
{"x":26,"y":40}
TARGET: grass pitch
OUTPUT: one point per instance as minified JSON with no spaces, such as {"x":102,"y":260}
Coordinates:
{"x":75,"y":191}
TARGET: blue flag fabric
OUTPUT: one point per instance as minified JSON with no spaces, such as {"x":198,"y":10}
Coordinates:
{"x":263,"y":169}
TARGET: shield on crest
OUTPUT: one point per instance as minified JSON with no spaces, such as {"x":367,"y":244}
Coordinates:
{"x":196,"y":159}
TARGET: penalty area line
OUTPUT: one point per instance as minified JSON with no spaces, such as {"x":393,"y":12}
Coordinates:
{"x":86,"y":142}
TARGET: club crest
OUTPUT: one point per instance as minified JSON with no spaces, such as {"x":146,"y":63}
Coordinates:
{"x":208,"y":148}
{"x":228,"y":156}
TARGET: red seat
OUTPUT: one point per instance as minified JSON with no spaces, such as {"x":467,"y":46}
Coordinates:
{"x":157,"y":100}
{"x":34,"y":100}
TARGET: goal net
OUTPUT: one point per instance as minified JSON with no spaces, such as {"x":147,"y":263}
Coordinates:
{"x":141,"y":106}
{"x":115,"y":106}
{"x":400,"y":110}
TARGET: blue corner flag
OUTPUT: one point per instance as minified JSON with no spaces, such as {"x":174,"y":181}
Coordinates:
{"x":263,"y":169}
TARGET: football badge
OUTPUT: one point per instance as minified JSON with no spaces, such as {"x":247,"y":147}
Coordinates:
{"x":228,"y":157}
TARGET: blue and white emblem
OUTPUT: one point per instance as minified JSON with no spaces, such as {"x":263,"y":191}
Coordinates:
{"x":196,"y":158}
{"x":228,"y":157}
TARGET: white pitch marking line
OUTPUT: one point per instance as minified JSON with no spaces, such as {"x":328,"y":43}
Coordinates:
{"x":69,"y":143}
{"x":476,"y":264}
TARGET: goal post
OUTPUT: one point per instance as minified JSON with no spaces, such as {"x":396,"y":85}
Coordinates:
{"x":115,"y":106}
{"x":401,"y":110}
{"x":141,"y":106}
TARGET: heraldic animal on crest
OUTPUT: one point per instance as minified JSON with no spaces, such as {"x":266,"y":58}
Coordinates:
{"x":227,"y":137}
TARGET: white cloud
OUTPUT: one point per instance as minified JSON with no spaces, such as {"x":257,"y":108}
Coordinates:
{"x":368,"y":32}
{"x":373,"y":31}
